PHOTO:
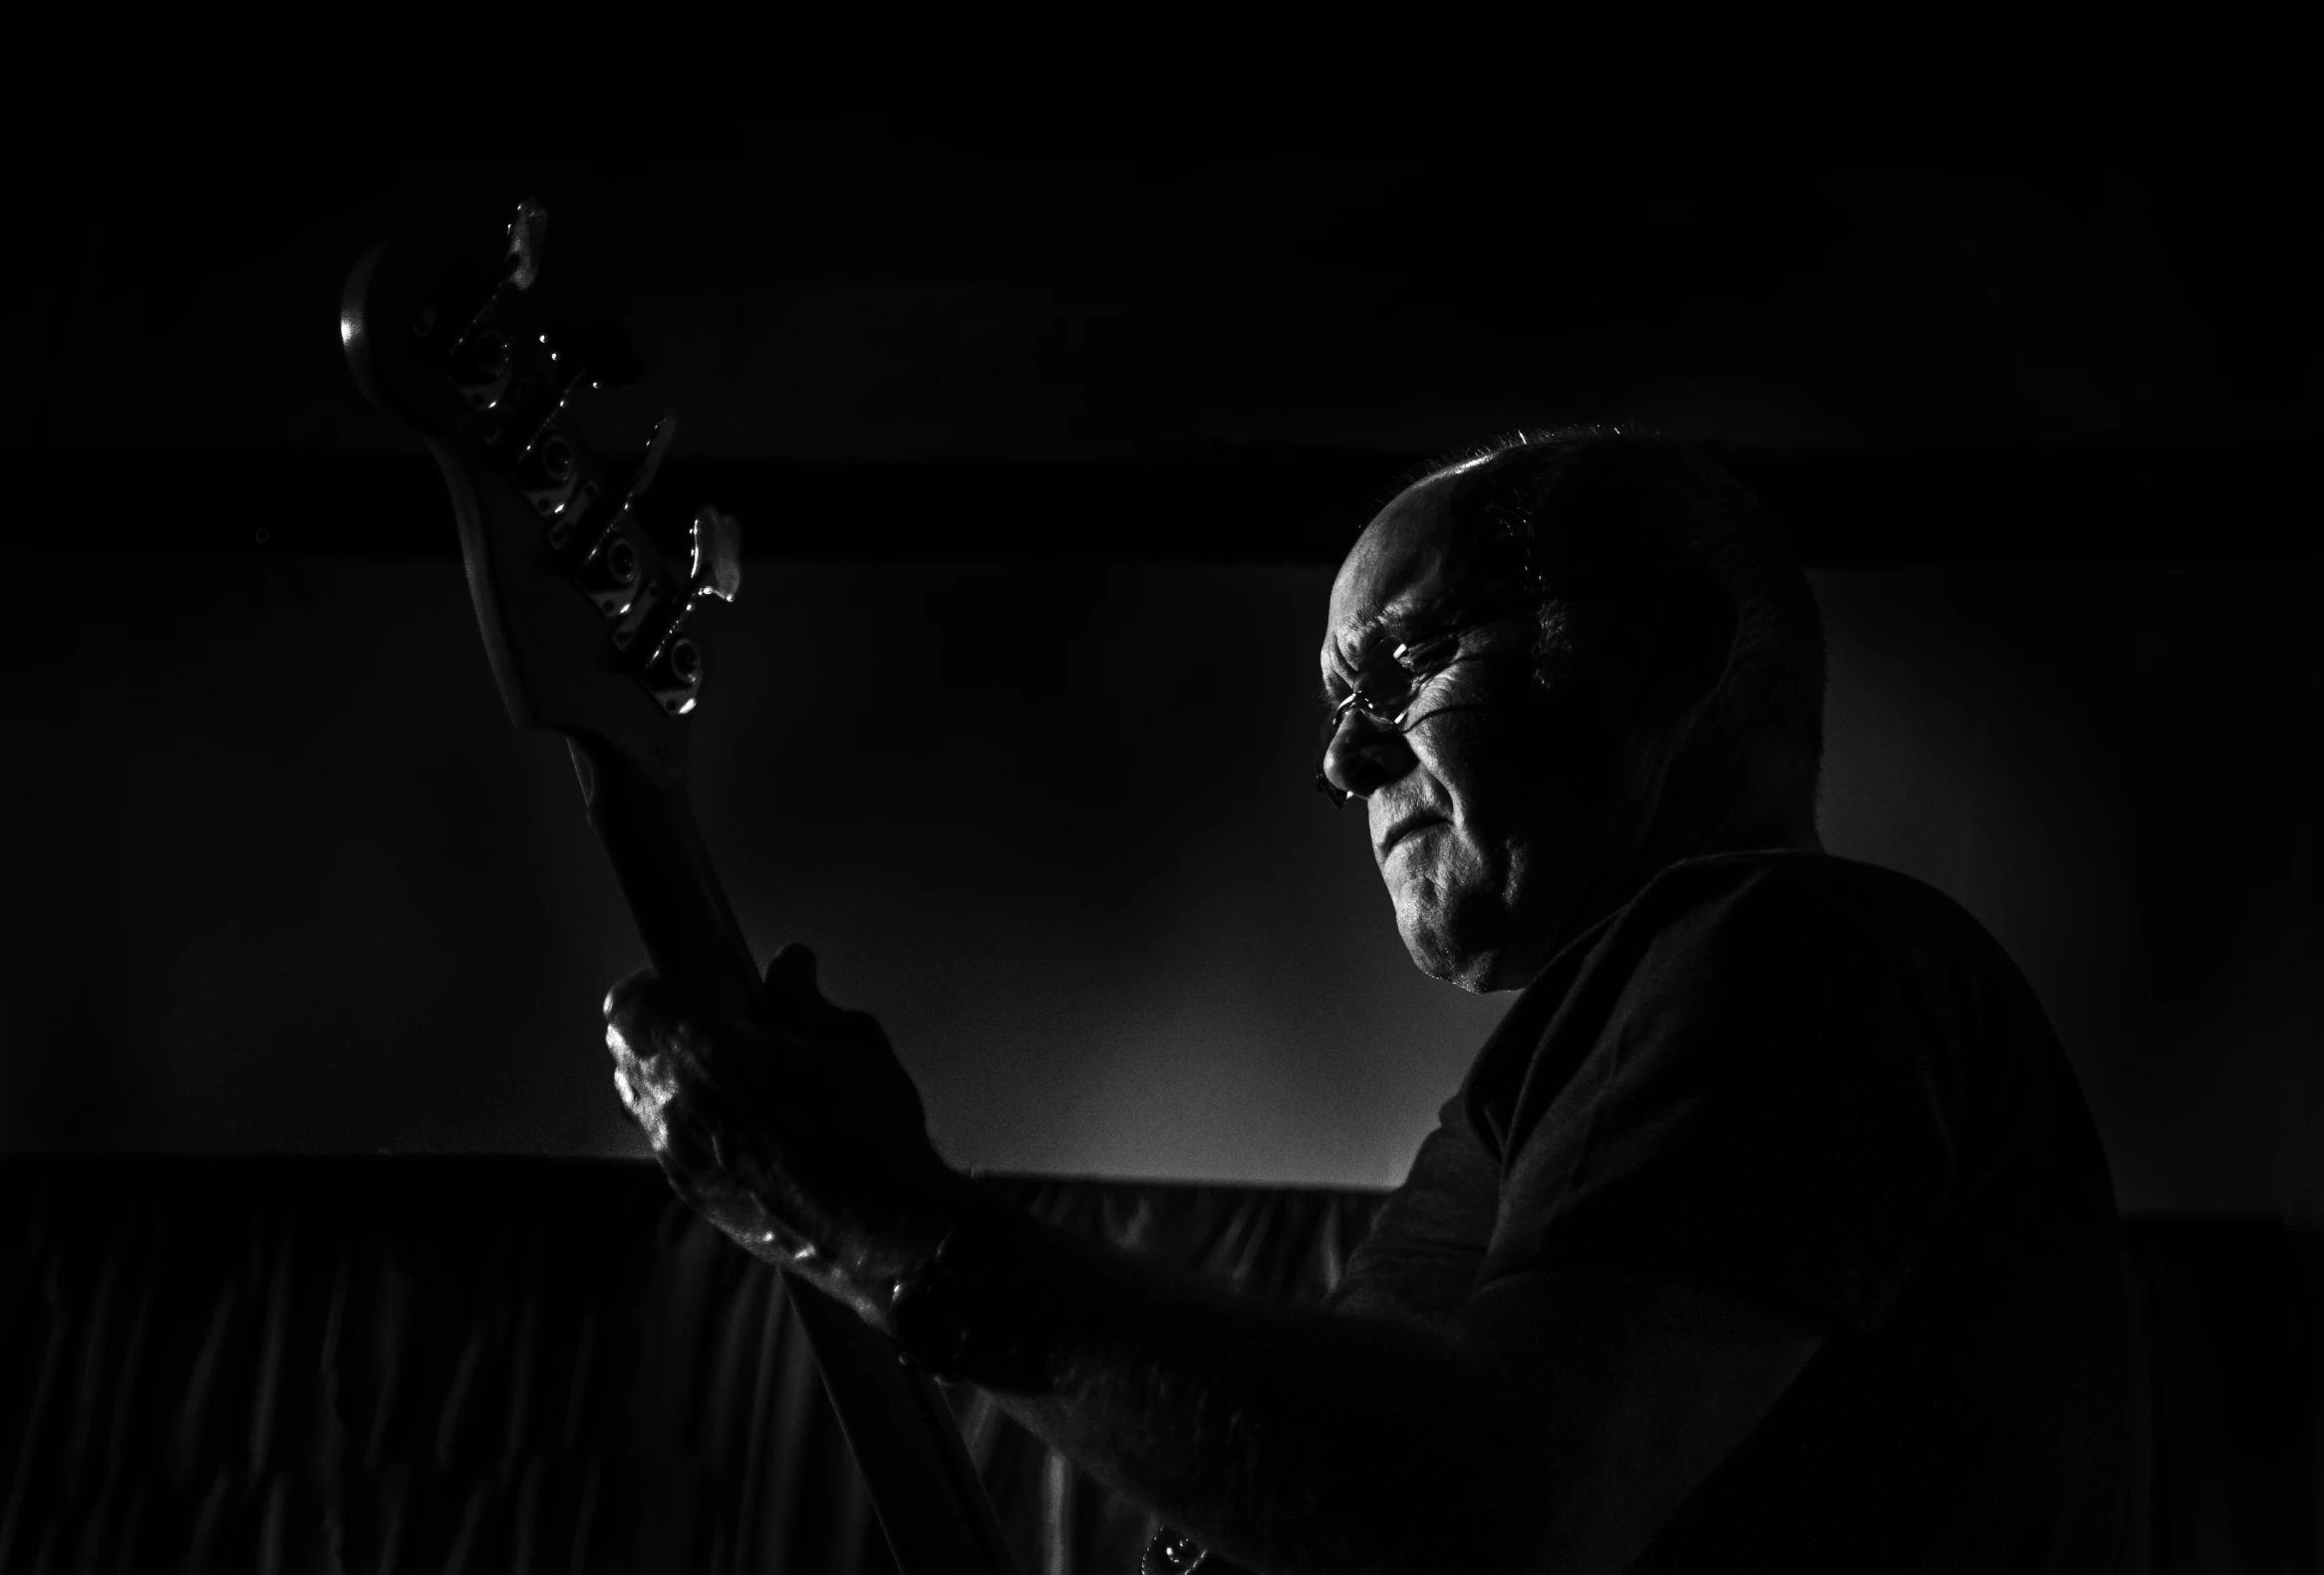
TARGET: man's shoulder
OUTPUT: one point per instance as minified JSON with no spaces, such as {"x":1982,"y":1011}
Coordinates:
{"x":1760,"y":896}
{"x":1800,"y":950}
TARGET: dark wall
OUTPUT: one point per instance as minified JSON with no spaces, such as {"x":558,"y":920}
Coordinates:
{"x":1215,"y":332}
{"x":281,"y":878}
{"x":2114,"y":767}
{"x":2034,"y":376}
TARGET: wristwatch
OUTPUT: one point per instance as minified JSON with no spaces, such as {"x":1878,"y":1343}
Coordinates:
{"x":1174,"y":1554}
{"x":972,"y":1312}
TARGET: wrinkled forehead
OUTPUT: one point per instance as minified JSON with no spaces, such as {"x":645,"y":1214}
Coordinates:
{"x":1420,"y":562}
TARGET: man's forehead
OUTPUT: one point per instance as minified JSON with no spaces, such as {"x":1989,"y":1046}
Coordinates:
{"x":1412,"y":562}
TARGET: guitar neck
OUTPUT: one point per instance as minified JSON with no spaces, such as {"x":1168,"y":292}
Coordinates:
{"x":923,"y":1486}
{"x":647,"y":829}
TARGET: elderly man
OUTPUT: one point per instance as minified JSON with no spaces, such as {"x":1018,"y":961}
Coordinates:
{"x":1768,"y":1230}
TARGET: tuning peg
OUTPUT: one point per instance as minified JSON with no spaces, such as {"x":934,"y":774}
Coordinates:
{"x":598,"y":348}
{"x":567,"y":520}
{"x":673,"y":663}
{"x":520,"y":269}
{"x":657,"y":447}
{"x":718,"y":554}
{"x":716,"y":570}
{"x":526,"y":231}
{"x":583,"y":354}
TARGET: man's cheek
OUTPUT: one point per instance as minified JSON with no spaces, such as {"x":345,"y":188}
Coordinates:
{"x":1414,"y":883}
{"x":1434,"y":874}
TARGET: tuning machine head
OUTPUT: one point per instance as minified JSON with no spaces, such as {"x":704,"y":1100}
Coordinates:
{"x":718,"y":554}
{"x":610,"y":574}
{"x":520,"y":266}
{"x":674,"y":662}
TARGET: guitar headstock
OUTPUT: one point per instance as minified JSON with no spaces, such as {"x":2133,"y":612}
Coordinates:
{"x":586,"y":602}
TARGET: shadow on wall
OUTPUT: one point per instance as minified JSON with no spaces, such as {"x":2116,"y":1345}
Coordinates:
{"x":281,"y":878}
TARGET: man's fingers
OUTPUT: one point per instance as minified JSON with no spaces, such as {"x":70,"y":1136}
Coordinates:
{"x":631,"y":1011}
{"x":792,"y":969}
{"x":790,"y":978}
{"x":643,"y":1018}
{"x":635,"y":993}
{"x":794,"y":998}
{"x":682,"y":1147}
{"x":796,"y":1002}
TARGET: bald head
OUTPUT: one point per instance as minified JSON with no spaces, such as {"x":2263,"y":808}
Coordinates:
{"x":1423,"y":557}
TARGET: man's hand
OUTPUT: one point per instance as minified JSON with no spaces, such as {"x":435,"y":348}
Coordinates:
{"x":804,"y":1141}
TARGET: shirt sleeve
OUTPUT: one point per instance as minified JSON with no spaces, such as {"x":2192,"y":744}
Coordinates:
{"x":1770,"y":1107}
{"x":1422,"y":1255}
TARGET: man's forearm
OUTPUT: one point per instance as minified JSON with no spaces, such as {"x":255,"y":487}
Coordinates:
{"x":1284,"y":1438}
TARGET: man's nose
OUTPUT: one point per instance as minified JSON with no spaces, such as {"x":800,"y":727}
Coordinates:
{"x":1366,"y":755}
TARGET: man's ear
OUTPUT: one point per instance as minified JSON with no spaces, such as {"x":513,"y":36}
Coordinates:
{"x":1694,"y":644}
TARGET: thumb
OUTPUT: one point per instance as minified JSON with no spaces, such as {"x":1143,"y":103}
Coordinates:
{"x":790,"y":978}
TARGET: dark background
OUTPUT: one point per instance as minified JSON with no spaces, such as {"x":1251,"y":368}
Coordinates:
{"x":1047,"y":434}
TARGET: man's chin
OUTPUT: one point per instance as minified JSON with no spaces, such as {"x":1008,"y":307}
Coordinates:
{"x":1440,"y":953}
{"x":1480,"y":951}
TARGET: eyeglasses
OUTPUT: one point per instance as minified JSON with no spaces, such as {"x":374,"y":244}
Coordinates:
{"x":1421,"y":660}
